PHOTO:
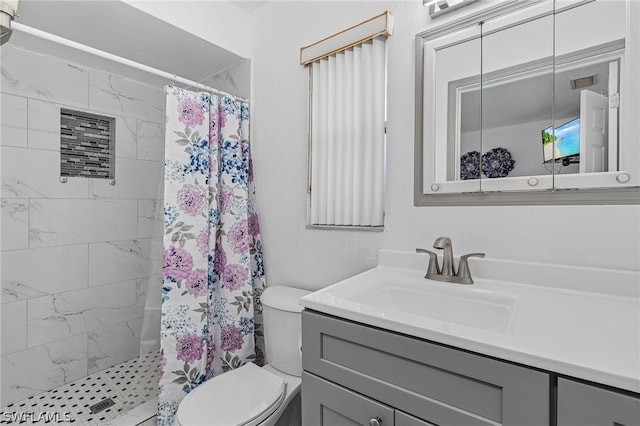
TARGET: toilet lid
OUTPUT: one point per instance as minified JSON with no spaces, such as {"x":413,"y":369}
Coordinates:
{"x":242,"y":396}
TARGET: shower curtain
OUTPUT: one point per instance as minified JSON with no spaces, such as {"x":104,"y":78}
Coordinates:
{"x":213,"y":273}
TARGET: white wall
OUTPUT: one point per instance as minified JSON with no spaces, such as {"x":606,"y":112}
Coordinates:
{"x":599,"y":236}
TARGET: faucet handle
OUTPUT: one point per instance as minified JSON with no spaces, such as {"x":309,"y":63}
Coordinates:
{"x":463,"y":268}
{"x":433,"y":268}
{"x":464,"y":257}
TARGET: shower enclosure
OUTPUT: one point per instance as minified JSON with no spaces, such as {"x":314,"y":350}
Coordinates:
{"x":76,"y":251}
{"x":80,"y":257}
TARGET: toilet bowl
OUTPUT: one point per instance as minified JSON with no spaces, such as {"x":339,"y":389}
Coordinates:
{"x":247,"y":396}
{"x":252,"y":395}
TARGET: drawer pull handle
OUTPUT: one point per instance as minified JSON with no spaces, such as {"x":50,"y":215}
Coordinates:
{"x":375,"y":421}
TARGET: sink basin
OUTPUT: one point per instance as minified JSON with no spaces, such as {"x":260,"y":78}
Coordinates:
{"x":484,"y":310}
{"x":407,"y":298}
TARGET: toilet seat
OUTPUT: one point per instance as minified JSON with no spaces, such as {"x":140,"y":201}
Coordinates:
{"x":245,"y":396}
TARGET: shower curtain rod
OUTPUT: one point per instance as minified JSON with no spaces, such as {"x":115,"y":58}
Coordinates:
{"x":119,"y":59}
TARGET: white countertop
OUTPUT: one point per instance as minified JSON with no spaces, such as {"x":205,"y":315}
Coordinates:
{"x":581,"y":322}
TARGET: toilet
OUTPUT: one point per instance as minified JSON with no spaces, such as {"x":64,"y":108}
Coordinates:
{"x":251,"y":395}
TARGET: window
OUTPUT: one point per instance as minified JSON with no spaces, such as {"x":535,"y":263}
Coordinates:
{"x":347,"y":126}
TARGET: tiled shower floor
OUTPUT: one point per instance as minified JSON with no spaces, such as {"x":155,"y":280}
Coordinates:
{"x":129,"y":385}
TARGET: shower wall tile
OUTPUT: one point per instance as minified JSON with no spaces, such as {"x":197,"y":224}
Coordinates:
{"x":135,"y":179}
{"x":150,"y":218}
{"x":146,"y":217}
{"x":33,"y":75}
{"x":142,"y":284}
{"x":155,"y":278}
{"x":38,"y":369}
{"x":15,"y":224}
{"x":234,"y":80}
{"x":14,"y":327}
{"x":126,"y":137}
{"x":112,"y":345}
{"x":44,"y":125}
{"x":13,"y":120}
{"x":149,"y":302}
{"x":150,"y":141}
{"x":42,"y":271}
{"x":150,"y":334}
{"x":118,"y":95}
{"x":35,"y":173}
{"x":116,"y":261}
{"x":60,"y":222}
{"x":76,"y":312}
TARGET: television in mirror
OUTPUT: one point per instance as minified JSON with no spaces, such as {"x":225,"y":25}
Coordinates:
{"x":562,"y":144}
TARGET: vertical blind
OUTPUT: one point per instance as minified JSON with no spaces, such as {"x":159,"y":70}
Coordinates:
{"x":348,"y":112}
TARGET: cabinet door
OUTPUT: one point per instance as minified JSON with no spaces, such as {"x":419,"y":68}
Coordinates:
{"x":580,"y":404}
{"x":404,"y":419}
{"x":326,"y":404}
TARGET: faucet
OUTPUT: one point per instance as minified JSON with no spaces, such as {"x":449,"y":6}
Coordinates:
{"x":446,"y":273}
{"x":444,"y":243}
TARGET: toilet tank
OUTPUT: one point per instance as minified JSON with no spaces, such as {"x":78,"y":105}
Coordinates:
{"x":283,"y":328}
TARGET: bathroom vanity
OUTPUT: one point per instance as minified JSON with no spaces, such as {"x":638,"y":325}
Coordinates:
{"x":388,"y":347}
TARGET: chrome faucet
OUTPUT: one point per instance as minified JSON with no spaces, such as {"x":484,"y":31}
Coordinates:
{"x":446,"y":273}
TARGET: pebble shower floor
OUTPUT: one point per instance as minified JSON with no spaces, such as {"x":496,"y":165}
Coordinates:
{"x":128,"y":385}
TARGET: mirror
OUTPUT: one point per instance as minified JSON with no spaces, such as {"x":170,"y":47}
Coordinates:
{"x":525,"y":103}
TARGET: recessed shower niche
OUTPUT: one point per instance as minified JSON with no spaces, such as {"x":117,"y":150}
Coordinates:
{"x":87,"y":145}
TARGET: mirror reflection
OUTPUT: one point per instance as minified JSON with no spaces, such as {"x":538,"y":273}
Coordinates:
{"x":517,"y":116}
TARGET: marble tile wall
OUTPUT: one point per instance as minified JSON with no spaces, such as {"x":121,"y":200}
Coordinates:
{"x":74,"y":257}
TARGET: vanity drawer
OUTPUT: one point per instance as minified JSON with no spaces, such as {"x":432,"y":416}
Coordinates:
{"x":580,"y":404}
{"x":440,"y":384}
{"x":325,"y":404}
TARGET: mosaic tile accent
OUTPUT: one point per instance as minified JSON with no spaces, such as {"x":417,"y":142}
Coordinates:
{"x":87,"y":144}
{"x":128,"y":385}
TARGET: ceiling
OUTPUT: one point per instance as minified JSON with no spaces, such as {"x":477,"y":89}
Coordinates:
{"x":529,"y":100}
{"x":122,"y":30}
{"x":249,"y":5}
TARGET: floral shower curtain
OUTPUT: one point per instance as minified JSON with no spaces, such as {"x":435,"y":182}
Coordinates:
{"x":212,"y":263}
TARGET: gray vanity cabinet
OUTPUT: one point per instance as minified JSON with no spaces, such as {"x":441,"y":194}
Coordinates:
{"x":403,"y":419}
{"x":581,"y":404}
{"x":337,"y":406}
{"x":353,"y":368}
{"x":330,"y":405}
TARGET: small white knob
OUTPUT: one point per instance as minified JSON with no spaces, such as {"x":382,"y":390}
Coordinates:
{"x":532,"y":181}
{"x":375,"y":421}
{"x":623,"y":178}
{"x":435,"y":187}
